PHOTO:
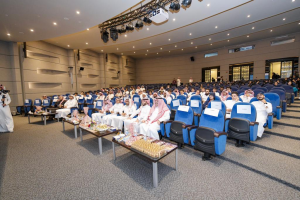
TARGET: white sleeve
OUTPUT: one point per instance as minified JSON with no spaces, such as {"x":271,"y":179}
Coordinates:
{"x":165,"y":117}
{"x":7,"y":99}
{"x":169,"y":99}
{"x":112,"y":108}
{"x":135,"y":113}
{"x":269,"y":109}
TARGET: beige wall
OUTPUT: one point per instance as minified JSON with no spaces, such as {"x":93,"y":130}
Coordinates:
{"x":164,"y":69}
{"x":10,"y":72}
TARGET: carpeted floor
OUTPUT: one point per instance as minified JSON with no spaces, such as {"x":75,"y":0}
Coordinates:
{"x":43,"y":162}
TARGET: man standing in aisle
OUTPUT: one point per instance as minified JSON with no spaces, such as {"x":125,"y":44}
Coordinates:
{"x":263,"y":108}
{"x":6,"y":120}
{"x":158,"y":113}
{"x":178,"y":82}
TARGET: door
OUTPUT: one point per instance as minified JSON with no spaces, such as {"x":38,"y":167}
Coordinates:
{"x":275,"y":67}
{"x":236,"y":73}
{"x":286,"y":69}
{"x":245,"y":73}
{"x":207,"y":76}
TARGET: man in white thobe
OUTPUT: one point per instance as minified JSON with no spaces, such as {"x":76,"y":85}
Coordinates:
{"x":205,"y":96}
{"x":105,"y":108}
{"x":158,"y":113}
{"x":230,"y":103}
{"x":6,"y":120}
{"x":263,"y":108}
{"x":128,"y":109}
{"x":142,"y":113}
{"x":114,"y":111}
{"x":72,"y":102}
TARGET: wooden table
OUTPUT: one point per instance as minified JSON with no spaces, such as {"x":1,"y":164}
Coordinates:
{"x":69,"y":122}
{"x":43,"y":116}
{"x":98,"y":134}
{"x":153,"y":160}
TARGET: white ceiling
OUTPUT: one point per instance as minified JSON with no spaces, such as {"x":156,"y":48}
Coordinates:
{"x":17,"y":17}
{"x":199,"y":19}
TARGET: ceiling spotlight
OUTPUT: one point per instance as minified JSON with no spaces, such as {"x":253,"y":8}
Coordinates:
{"x":145,"y":54}
{"x":253,"y":27}
{"x":130,"y":27}
{"x":228,"y":33}
{"x":147,"y":50}
{"x":190,"y":33}
{"x":208,"y":5}
{"x":133,"y":52}
{"x":86,"y":43}
{"x":248,"y":36}
{"x":101,"y":50}
{"x":186,"y":2}
{"x":227,"y":40}
{"x":192,"y":43}
{"x":139,"y":24}
{"x":54,"y":23}
{"x":169,"y":51}
{"x":209,"y":39}
{"x":156,"y":53}
{"x":170,"y":39}
{"x":88,"y":29}
{"x":68,"y":45}
{"x":125,"y":35}
{"x":293,"y":0}
{"x":249,"y":16}
{"x":283,"y":19}
{"x":271,"y":30}
{"x":147,"y":20}
{"x":114,"y":33}
{"x":196,"y":47}
{"x":210,"y":44}
{"x":147,"y":29}
{"x":117,"y":48}
{"x":31,"y":30}
{"x":133,"y":47}
{"x":8,"y":34}
{"x":160,"y":48}
{"x":174,"y":19}
{"x":175,"y":5}
{"x":216,"y":26}
{"x":77,"y":12}
{"x":122,"y":30}
{"x":150,"y":43}
{"x":181,"y":49}
{"x":175,"y":45}
{"x":104,"y":35}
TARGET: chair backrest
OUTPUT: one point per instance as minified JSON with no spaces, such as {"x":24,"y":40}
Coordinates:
{"x":27,"y":102}
{"x":257,"y":91}
{"x":99,"y":104}
{"x":184,"y":116}
{"x":288,"y":88}
{"x":218,"y":105}
{"x":281,"y":94}
{"x":240,"y":91}
{"x":278,"y":88}
{"x":175,"y":103}
{"x":137,"y":100}
{"x":196,"y":97}
{"x":269,"y":87}
{"x":209,"y":121}
{"x":46,"y":102}
{"x":244,"y":110}
{"x":196,"y":105}
{"x":255,"y":86}
{"x":182,"y":98}
{"x":37,"y":102}
{"x":263,"y":88}
{"x":274,"y":99}
{"x":89,"y":100}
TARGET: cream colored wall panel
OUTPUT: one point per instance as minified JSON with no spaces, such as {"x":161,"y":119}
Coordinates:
{"x":36,"y":76}
{"x":5,"y":61}
{"x":8,"y":75}
{"x":4,"y":48}
{"x":16,"y":100}
{"x":33,"y":64}
{"x":40,"y":88}
{"x":14,"y":86}
{"x":48,"y":47}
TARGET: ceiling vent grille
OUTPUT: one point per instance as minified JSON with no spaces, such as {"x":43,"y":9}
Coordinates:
{"x":282,"y":41}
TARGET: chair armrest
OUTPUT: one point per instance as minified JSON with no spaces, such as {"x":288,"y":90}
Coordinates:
{"x":169,"y":121}
{"x":89,"y":103}
{"x":186,"y":126}
{"x":270,"y":114}
{"x":218,"y":134}
{"x":253,"y":123}
{"x":284,"y":101}
{"x":73,"y":107}
{"x":192,"y":127}
{"x":227,"y":119}
{"x":278,"y":106}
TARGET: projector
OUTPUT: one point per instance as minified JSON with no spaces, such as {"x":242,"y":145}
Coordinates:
{"x":159,"y":15}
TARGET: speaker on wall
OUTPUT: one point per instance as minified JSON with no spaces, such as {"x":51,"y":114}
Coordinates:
{"x":81,"y":68}
{"x":192,"y":59}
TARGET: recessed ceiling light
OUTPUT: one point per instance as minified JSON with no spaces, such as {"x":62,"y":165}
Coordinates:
{"x":175,"y":45}
{"x":88,"y":29}
{"x":208,"y":5}
{"x":181,"y":49}
{"x":133,"y":52}
{"x":125,"y":35}
{"x":192,"y":43}
{"x":249,"y":16}
{"x":8,"y":34}
{"x":174,"y":19}
{"x":121,"y":53}
{"x":271,"y":30}
{"x":209,"y":39}
{"x":31,"y":30}
{"x":160,"y":48}
{"x":150,"y":43}
{"x":216,"y":26}
{"x":117,"y":48}
{"x":283,"y":19}
{"x":147,"y":50}
{"x":102,"y":50}
{"x":293,"y":0}
{"x":77,"y":12}
{"x":169,"y":51}
{"x":54,"y":23}
{"x":147,"y":29}
{"x":228,"y":33}
{"x":156,"y":53}
{"x":133,"y":47}
{"x":145,"y":54}
{"x":169,"y":39}
{"x":253,"y":27}
{"x":227,"y":40}
{"x":196,"y":47}
{"x":248,"y":36}
{"x":86,"y":43}
{"x":210,"y":44}
{"x":68,"y":45}
{"x":190,"y":33}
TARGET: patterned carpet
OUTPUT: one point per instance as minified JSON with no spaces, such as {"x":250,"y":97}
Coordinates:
{"x":43,"y":162}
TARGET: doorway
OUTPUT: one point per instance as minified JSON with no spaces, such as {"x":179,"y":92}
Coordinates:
{"x":210,"y":74}
{"x":241,"y":72}
{"x":283,"y":68}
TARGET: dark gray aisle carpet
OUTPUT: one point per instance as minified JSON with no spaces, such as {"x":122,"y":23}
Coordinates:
{"x":43,"y":162}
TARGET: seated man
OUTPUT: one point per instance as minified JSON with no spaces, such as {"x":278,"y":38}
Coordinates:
{"x":114,"y":110}
{"x":101,"y":96}
{"x":158,"y":113}
{"x":211,"y":98}
{"x":205,"y":95}
{"x":216,"y":93}
{"x":142,"y":113}
{"x":248,"y":95}
{"x":263,"y":108}
{"x":105,"y":108}
{"x":128,"y":109}
{"x":229,"y":103}
{"x":72,"y":102}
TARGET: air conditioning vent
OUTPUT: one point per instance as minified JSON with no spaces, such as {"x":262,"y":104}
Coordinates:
{"x":280,"y":42}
